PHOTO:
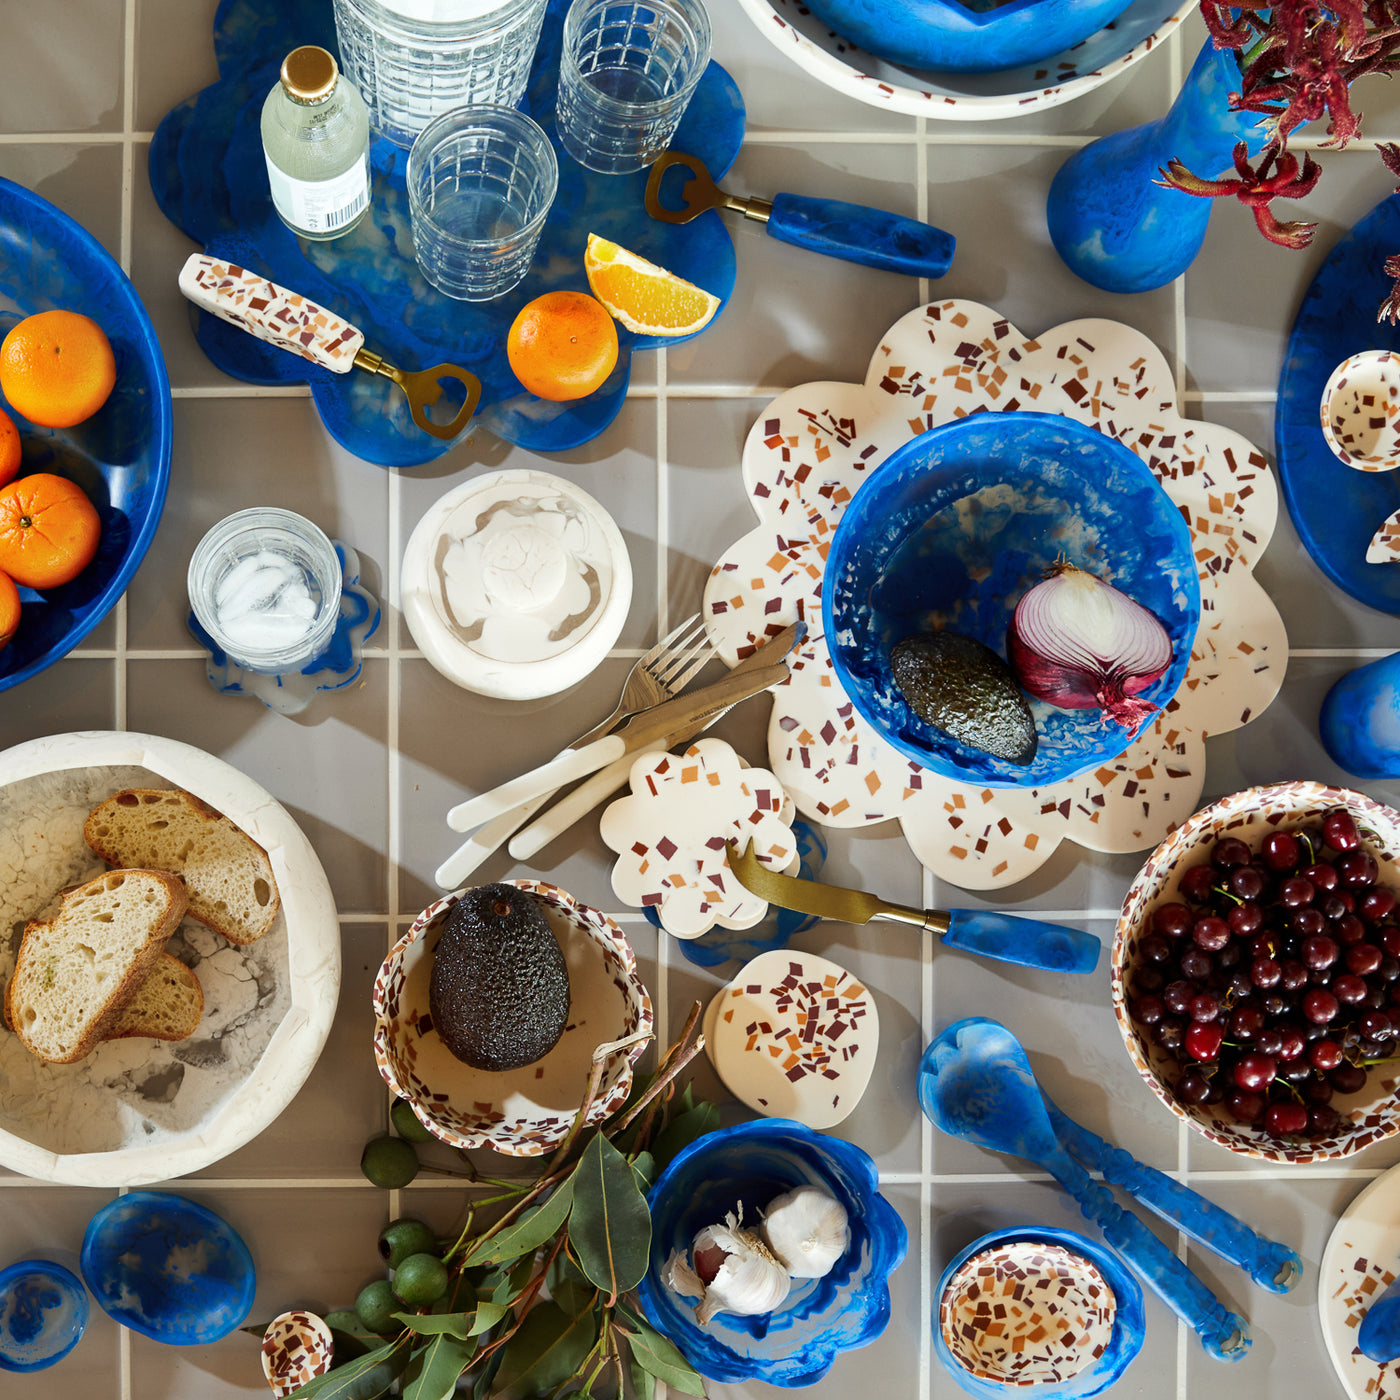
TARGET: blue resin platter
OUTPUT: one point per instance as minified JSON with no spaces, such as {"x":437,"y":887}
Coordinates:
{"x":168,"y":1268}
{"x":43,"y":1314}
{"x":956,"y":526}
{"x":209,"y":176}
{"x":1336,"y":509}
{"x":120,"y":456}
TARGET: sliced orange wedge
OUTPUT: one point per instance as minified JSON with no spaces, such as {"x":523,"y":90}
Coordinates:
{"x":645,"y":298}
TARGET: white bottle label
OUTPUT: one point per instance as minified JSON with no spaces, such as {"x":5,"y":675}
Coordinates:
{"x":321,"y":206}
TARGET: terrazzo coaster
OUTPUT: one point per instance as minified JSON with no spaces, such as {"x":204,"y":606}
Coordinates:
{"x":1027,"y":1313}
{"x":296,"y":1348}
{"x":670,"y":835}
{"x":1360,"y":411}
{"x":794,"y":1036}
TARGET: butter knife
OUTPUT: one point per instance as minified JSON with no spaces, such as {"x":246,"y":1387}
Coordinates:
{"x":1002,"y":936}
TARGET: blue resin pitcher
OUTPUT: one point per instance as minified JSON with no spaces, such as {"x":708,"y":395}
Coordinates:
{"x":1360,"y":720}
{"x":1112,"y":223}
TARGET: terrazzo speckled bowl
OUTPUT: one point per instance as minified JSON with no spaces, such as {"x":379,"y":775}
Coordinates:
{"x":139,"y":1110}
{"x":522,"y":1112}
{"x":752,"y":1163}
{"x":1372,"y":1114}
{"x":955,"y":527}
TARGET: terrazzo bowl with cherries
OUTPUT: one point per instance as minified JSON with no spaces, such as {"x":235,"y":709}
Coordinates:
{"x":1370,"y":1115}
{"x":523,"y":1112}
{"x":749,"y":1165}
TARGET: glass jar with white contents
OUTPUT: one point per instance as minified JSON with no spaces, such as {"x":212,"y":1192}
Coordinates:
{"x":315,"y":135}
{"x":265,"y":585}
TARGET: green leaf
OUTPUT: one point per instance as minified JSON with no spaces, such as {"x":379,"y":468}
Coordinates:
{"x":526,"y":1235}
{"x":643,"y":1382}
{"x":682,"y":1130}
{"x":644,"y":1169}
{"x":257,"y":1329}
{"x":609,"y":1225}
{"x":485,"y":1385}
{"x":660,"y":1357}
{"x":347,"y":1320}
{"x":456,"y":1324}
{"x":367,"y":1377}
{"x":548,"y":1350}
{"x":568,"y":1287}
{"x":487,"y":1316}
{"x":442,"y":1362}
{"x":505,"y":1283}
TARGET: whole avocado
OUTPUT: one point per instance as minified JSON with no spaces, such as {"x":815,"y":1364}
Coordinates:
{"x":499,"y":995}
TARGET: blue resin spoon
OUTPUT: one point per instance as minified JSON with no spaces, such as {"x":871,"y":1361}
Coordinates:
{"x":975,"y":1083}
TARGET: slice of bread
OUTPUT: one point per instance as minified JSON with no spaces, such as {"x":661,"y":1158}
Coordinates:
{"x":227,"y":874}
{"x":76,"y":972}
{"x":168,"y":1005}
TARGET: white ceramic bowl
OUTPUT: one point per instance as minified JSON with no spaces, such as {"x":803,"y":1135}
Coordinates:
{"x":1369,"y":1116}
{"x":522,"y":1112}
{"x":963,"y":97}
{"x":139,"y":1111}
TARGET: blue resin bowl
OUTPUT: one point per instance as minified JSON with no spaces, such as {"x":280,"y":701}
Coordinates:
{"x":43,"y":1313}
{"x":120,"y":456}
{"x":954,"y":527}
{"x":1129,"y":1325}
{"x":750,"y":1164}
{"x":168,"y":1268}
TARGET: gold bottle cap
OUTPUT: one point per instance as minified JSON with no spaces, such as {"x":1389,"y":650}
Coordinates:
{"x":309,"y":74}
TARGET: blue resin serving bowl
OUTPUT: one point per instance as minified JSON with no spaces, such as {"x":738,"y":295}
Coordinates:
{"x":961,"y":521}
{"x":43,"y":1314}
{"x":120,"y":456}
{"x":749,"y":1165}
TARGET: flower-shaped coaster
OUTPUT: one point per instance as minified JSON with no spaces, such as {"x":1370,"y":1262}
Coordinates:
{"x":338,"y":666}
{"x":670,"y":835}
{"x":805,"y":458}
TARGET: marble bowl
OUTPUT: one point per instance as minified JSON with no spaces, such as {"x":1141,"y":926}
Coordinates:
{"x":961,"y":521}
{"x":820,"y":1318}
{"x":522,"y":1112}
{"x":120,"y":456}
{"x":137,"y":1111}
{"x":1368,"y":1116}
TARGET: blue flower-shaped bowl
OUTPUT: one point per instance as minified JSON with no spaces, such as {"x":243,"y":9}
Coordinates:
{"x":120,"y":456}
{"x":168,"y":1268}
{"x":749,"y":1165}
{"x":1129,"y":1325}
{"x":955,"y":527}
{"x":43,"y":1313}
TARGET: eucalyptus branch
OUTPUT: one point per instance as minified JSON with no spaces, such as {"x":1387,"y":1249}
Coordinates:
{"x":681,"y":1055}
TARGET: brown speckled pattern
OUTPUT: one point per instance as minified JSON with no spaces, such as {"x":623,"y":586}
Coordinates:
{"x":1385,"y":543}
{"x":1371,"y":1115}
{"x":1360,"y":411}
{"x":296,"y":1348}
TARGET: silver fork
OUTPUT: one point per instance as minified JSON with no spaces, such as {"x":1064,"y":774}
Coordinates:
{"x":658,"y":674}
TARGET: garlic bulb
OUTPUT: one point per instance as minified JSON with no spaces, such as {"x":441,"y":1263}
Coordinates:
{"x":732,"y":1271}
{"x":807,"y":1231}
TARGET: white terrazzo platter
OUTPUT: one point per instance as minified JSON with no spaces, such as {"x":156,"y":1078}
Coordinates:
{"x":138,"y":1110}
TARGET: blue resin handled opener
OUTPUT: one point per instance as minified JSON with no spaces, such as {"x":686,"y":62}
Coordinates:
{"x":852,"y":232}
{"x":1027,"y":942}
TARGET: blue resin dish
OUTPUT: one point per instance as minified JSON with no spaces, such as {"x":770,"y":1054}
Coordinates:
{"x":1129,"y":1325}
{"x":750,"y":1164}
{"x":43,"y":1314}
{"x":168,"y":1268}
{"x":966,"y":36}
{"x":209,"y":177}
{"x":1336,"y":509}
{"x":120,"y":456}
{"x":954,"y":527}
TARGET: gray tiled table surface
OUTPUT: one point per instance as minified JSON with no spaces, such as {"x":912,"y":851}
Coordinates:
{"x":369,"y":773}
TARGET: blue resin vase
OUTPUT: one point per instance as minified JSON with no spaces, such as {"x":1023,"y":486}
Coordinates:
{"x":1110,"y":220}
{"x":1360,"y":720}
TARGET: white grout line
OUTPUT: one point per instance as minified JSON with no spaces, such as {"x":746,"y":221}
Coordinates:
{"x":926,"y":1280}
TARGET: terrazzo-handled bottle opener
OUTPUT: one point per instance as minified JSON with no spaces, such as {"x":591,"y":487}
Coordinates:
{"x":975,"y":1083}
{"x":292,"y":322}
{"x":853,"y":232}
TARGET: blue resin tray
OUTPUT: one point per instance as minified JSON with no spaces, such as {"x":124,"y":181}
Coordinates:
{"x":1336,"y":509}
{"x":209,"y":177}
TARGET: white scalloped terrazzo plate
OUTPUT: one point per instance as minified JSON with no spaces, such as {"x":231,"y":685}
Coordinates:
{"x":806,"y":456}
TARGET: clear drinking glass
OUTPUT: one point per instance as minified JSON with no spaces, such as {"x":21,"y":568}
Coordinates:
{"x":480,"y":183}
{"x":626,"y":75}
{"x":412,"y":60}
{"x":265,"y":585}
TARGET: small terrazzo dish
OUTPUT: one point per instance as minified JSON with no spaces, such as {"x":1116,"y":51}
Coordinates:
{"x":1368,"y":1116}
{"x":955,"y":527}
{"x":1039,"y":1309}
{"x":43,"y":1314}
{"x":168,"y":1268}
{"x":751,"y":1164}
{"x":137,"y":1110}
{"x":522,"y":1112}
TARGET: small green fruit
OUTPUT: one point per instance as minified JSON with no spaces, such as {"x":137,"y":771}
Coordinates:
{"x":406,"y":1124}
{"x":400,"y":1238}
{"x":420,"y":1280}
{"x":376,"y":1305}
{"x":389,"y":1162}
